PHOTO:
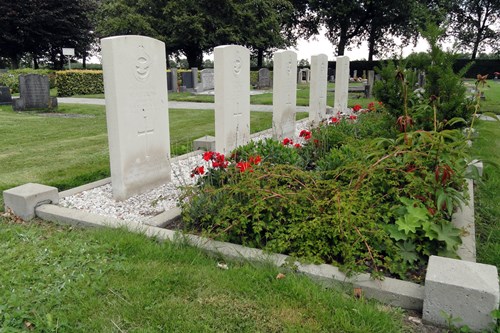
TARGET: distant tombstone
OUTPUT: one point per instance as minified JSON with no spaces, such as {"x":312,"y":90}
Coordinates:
{"x":341,"y":84}
{"x":207,"y":79}
{"x":264,"y":78}
{"x":301,"y":76}
{"x":174,"y":82}
{"x":187,"y":80}
{"x":34,"y":91}
{"x":371,"y":82}
{"x":284,"y":94}
{"x":421,"y":79}
{"x":5,"y":97}
{"x":136,"y":113}
{"x":232,"y":97}
{"x":317,"y":94}
{"x":355,"y":74}
{"x":169,"y":81}
{"x":332,"y":78}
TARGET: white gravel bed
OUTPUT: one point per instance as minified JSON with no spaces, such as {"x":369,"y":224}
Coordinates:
{"x":141,"y":207}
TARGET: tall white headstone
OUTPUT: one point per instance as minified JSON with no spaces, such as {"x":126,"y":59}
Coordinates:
{"x":232,"y":97}
{"x":317,"y":90}
{"x":135,"y":87}
{"x":284,"y":94}
{"x":341,"y":84}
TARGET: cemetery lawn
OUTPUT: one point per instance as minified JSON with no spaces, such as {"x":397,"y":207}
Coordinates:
{"x":73,"y":150}
{"x":487,"y":193}
{"x":62,"y":279}
{"x":492,"y":95}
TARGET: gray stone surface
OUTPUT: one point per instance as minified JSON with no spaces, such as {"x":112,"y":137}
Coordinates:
{"x":206,"y":143}
{"x":463,"y":219}
{"x":5,"y":97}
{"x":264,"y":80}
{"x":461,"y":289}
{"x":23,"y":199}
{"x":187,"y":80}
{"x":34,"y":92}
{"x":207,"y":79}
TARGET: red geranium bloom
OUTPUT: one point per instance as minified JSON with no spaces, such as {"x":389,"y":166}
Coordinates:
{"x":297,"y":145}
{"x":287,"y":141}
{"x":199,"y":170}
{"x":208,"y":155}
{"x":305,"y":134}
{"x":243,"y":166}
{"x":371,"y":106}
{"x":356,"y":108}
{"x":335,"y":120}
{"x":353,"y":117}
{"x":255,"y":160}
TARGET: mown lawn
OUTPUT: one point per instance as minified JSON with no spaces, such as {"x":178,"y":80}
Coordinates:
{"x":60,"y":279}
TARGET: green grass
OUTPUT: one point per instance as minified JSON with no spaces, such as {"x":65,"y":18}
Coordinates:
{"x":59,"y":279}
{"x":492,"y":95}
{"x":487,"y":195}
{"x":262,"y":99}
{"x":68,"y":152}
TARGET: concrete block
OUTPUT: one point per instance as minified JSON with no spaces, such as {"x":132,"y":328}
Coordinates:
{"x":23,"y":199}
{"x":206,"y":143}
{"x":477,"y":165}
{"x":461,"y":289}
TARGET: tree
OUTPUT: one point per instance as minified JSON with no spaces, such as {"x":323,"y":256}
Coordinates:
{"x":475,"y":23}
{"x":263,"y":25}
{"x":42,"y":28}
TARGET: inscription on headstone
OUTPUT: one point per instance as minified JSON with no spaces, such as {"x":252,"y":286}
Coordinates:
{"x":34,"y":91}
{"x":137,"y":113}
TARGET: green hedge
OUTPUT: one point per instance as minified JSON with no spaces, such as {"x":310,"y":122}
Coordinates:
{"x":79,"y":82}
{"x":11,"y":78}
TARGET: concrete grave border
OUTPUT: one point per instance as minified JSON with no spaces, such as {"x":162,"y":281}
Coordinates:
{"x":390,"y":291}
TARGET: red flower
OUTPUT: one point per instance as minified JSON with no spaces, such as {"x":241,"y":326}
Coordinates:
{"x":199,"y":170}
{"x":243,"y":166}
{"x":287,"y":141}
{"x":305,"y":134}
{"x":208,"y":155}
{"x":353,"y":117}
{"x":297,"y":145}
{"x":255,"y":160}
{"x":356,"y":108}
{"x":335,"y":120}
{"x":371,"y":106}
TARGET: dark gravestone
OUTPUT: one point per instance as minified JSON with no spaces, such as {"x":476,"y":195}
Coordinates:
{"x":169,"y":81}
{"x":264,"y":78}
{"x":187,"y":80}
{"x":5,"y":97}
{"x":34,"y":93}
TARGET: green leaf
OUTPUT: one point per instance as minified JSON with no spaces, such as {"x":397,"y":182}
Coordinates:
{"x":408,"y":224}
{"x":408,"y":251}
{"x":395,"y":233}
{"x":448,"y":234}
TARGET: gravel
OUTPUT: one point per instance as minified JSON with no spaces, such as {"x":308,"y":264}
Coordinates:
{"x":141,"y":207}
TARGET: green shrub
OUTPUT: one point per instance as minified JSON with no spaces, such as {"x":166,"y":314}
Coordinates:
{"x":11,"y":77}
{"x":79,"y":82}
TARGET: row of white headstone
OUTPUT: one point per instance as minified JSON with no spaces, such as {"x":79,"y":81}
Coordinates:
{"x":137,"y":106}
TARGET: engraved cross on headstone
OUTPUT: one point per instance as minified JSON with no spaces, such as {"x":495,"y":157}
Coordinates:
{"x":145,"y":128}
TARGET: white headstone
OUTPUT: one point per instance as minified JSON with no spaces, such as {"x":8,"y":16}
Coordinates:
{"x":284,"y":94}
{"x":135,"y":87}
{"x":232,"y":97}
{"x":317,"y":90}
{"x":341,"y":84}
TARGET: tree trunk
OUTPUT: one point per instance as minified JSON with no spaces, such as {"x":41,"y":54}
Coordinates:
{"x":14,"y":61}
{"x":260,"y":57}
{"x":84,"y":60}
{"x":194,"y":58}
{"x":371,"y":45}
{"x":475,"y":49}
{"x":35,"y":61}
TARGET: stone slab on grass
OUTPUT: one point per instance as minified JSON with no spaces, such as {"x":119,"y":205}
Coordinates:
{"x":22,"y":200}
{"x":461,"y":289}
{"x":206,"y":143}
